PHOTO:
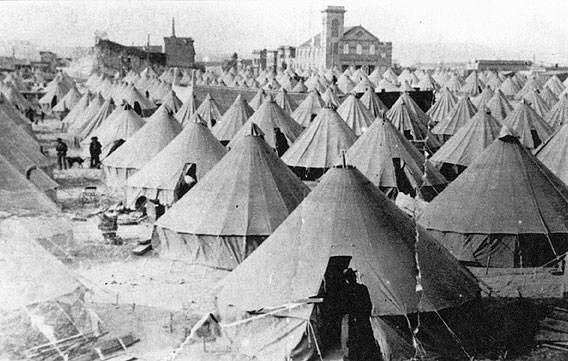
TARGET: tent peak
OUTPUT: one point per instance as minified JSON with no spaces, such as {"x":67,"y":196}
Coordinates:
{"x":254,"y":130}
{"x":508,"y":135}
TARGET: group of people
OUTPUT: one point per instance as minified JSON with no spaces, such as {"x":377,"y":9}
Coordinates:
{"x":95,"y":150}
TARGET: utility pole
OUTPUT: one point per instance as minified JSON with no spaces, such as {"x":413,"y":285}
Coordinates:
{"x":148,"y":51}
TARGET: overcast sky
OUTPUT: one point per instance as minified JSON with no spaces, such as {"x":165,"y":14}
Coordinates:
{"x":525,"y":27}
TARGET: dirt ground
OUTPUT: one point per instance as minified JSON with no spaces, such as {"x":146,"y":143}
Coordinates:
{"x":155,"y":299}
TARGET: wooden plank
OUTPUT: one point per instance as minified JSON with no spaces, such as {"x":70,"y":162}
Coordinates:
{"x":557,"y":324}
{"x":111,"y":346}
{"x":144,"y":242}
{"x":551,"y":336}
{"x":142,"y":249}
{"x":555,"y":347}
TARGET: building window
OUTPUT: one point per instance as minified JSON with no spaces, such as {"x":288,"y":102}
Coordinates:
{"x":372,"y":49}
{"x":335,"y":28}
{"x":359,"y":49}
{"x":345,"y":48}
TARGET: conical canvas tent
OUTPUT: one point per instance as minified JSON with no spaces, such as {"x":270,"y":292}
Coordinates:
{"x":537,"y":103}
{"x":528,"y":125}
{"x":141,"y":104}
{"x":509,"y":88}
{"x":308,"y":109}
{"x":268,"y":117}
{"x":354,"y":113}
{"x":187,"y":109}
{"x":67,"y":103}
{"x":507,"y":209}
{"x":319,"y":145}
{"x":481,"y":100}
{"x":415,"y":110}
{"x":494,"y":83}
{"x":148,"y":141}
{"x":257,"y":100}
{"x":233,"y":119}
{"x":231,"y":210}
{"x":460,"y":115}
{"x":558,"y":115}
{"x":55,"y":91}
{"x":172,"y":101}
{"x":363,"y":86}
{"x":95,"y":122}
{"x":18,"y":195}
{"x":300,"y":87}
{"x":15,"y":97}
{"x":82,"y":120}
{"x":42,"y":303}
{"x":329,"y":97}
{"x":386,"y":86}
{"x":390,"y":75}
{"x":344,"y":222}
{"x":411,"y":126}
{"x":443,"y":106}
{"x":77,"y":111}
{"x":454,"y":83}
{"x":162,"y":178}
{"x":7,"y":109}
{"x":428,"y":83}
{"x":209,"y":111}
{"x":531,"y":85}
{"x":549,"y":98}
{"x":468,"y":143}
{"x":120,"y":125}
{"x":388,"y":159}
{"x":499,"y":106}
{"x":283,"y":100}
{"x":28,"y":168}
{"x":345,"y":84}
{"x":19,"y":140}
{"x":555,"y":85}
{"x":553,"y":153}
{"x":373,"y":104}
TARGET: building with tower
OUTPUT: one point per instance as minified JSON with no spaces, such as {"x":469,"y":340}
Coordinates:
{"x":343,"y":46}
{"x":179,"y":50}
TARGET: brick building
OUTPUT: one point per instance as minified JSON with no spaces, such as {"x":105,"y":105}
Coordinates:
{"x":112,"y":57}
{"x":335,"y":46}
{"x":340,"y":46}
{"x":179,"y":51}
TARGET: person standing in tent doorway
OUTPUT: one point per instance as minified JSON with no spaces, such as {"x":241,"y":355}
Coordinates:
{"x":356,"y":327}
{"x":95,"y":148}
{"x":61,"y":150}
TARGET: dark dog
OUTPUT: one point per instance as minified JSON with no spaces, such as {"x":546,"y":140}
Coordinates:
{"x":73,"y":160}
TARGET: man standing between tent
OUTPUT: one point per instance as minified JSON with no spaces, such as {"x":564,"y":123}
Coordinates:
{"x":61,"y":149}
{"x":356,"y":326}
{"x":95,"y":148}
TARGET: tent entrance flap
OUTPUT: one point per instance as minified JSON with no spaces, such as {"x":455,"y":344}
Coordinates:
{"x":187,"y":179}
{"x":332,"y":309}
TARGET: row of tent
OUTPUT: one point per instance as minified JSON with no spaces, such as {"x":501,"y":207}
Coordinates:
{"x":249,"y":202}
{"x":156,"y":171}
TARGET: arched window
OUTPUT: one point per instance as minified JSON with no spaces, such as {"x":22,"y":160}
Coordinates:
{"x":335,"y":28}
{"x":359,"y":49}
{"x":346,"y":48}
{"x":372,"y":49}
